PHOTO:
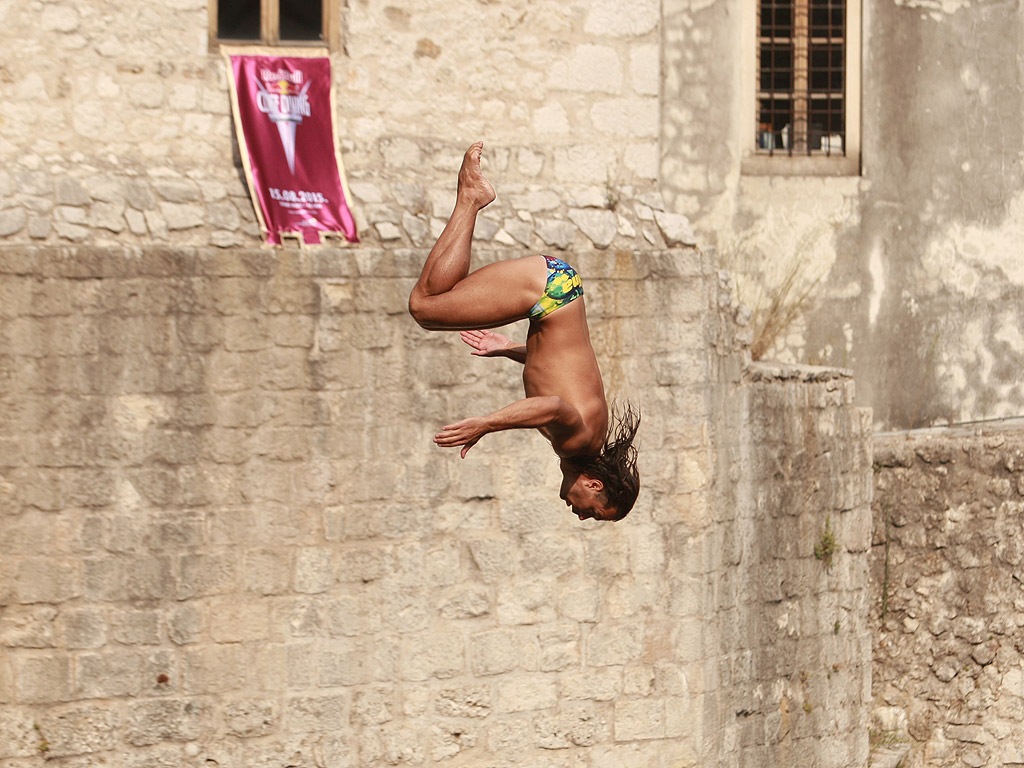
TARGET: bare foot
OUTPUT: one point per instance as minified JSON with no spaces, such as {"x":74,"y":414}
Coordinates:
{"x":473,"y":187}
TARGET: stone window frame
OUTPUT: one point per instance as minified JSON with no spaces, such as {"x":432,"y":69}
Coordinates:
{"x":270,"y":16}
{"x":754,"y":163}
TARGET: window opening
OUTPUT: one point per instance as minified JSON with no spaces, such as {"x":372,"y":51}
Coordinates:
{"x":801,"y":104}
{"x":238,"y":19}
{"x":301,"y":20}
{"x":271,"y":22}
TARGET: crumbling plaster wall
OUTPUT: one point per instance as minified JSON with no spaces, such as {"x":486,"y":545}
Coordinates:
{"x":947,"y":601}
{"x":922,"y":292}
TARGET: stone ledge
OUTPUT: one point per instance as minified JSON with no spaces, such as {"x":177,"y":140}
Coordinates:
{"x":809,"y":374}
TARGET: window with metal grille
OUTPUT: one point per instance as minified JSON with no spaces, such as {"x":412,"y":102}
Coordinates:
{"x":271,"y":22}
{"x":801,"y":77}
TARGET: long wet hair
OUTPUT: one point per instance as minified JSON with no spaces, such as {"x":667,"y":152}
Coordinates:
{"x":615,"y":466}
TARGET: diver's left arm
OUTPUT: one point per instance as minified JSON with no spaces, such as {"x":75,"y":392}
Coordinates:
{"x":547,"y":411}
{"x":491,"y":344}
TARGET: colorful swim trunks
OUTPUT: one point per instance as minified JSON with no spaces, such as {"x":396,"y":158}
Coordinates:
{"x":564,"y":285}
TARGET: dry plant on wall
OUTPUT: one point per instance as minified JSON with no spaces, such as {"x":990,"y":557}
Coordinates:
{"x":776,"y":292}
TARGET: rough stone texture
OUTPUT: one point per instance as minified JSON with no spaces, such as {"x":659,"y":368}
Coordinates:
{"x":216,"y":549}
{"x":947,"y":603}
{"x":792,"y":534}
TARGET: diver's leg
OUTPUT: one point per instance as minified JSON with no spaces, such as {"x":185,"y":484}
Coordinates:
{"x":448,"y":261}
{"x":494,"y":295}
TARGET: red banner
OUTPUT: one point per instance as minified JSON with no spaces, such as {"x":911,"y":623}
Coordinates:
{"x":284,"y":119}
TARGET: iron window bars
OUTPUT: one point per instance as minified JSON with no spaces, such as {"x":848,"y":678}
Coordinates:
{"x":801,"y":64}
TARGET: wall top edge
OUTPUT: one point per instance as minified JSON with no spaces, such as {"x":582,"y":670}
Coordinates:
{"x":98,"y":262}
{"x":772,"y":371}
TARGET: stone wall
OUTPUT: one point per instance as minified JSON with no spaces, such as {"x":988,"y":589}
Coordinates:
{"x":227,"y":538}
{"x":130,"y":139}
{"x":789,"y":604}
{"x":947,"y":602}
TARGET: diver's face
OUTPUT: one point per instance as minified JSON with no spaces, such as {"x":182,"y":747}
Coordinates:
{"x":581,"y":493}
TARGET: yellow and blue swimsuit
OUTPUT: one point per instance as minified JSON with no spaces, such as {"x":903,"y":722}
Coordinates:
{"x":564,"y":285}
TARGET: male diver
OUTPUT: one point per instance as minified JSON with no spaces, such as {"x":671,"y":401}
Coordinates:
{"x":565,"y":398}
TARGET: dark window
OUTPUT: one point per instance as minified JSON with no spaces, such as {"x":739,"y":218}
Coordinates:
{"x":238,"y":19}
{"x":301,"y":20}
{"x":270,"y":22}
{"x":801,"y":105}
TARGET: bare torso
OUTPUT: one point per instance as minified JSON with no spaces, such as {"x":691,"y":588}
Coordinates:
{"x":560,"y":361}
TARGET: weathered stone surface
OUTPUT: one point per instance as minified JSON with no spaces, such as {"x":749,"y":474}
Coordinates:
{"x":946,"y":543}
{"x":559,"y":234}
{"x":598,"y":225}
{"x":12,"y":221}
{"x":674,"y":228}
{"x":212,"y":535}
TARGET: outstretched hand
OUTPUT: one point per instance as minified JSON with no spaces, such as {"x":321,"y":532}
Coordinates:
{"x":465,"y":433}
{"x":486,"y":343}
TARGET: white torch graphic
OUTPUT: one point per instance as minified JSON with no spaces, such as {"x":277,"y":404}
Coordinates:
{"x":286,"y":108}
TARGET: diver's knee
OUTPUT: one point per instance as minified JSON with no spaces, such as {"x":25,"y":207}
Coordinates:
{"x":420,"y":310}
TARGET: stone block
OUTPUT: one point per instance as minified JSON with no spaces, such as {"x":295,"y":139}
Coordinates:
{"x":18,"y":735}
{"x":245,"y":334}
{"x":526,"y":694}
{"x":108,"y":675}
{"x":149,"y":577}
{"x":580,"y":602}
{"x":235,"y":619}
{"x":28,"y":627}
{"x":266,"y":572}
{"x":269,"y":669}
{"x":313,"y":573}
{"x":585,"y":163}
{"x":466,"y":602}
{"x":557,"y":234}
{"x":185,"y":623}
{"x":600,"y":226}
{"x":581,"y":725}
{"x":472,"y":701}
{"x":83,"y":628}
{"x":248,"y":718}
{"x":645,"y":69}
{"x":639,"y":719}
{"x":206,"y":574}
{"x":547,"y":555}
{"x":356,"y":662}
{"x":154,"y":720}
{"x":42,"y":679}
{"x":493,"y":652}
{"x":605,"y":19}
{"x":526,"y":602}
{"x":512,"y":737}
{"x":213,"y":669}
{"x":614,"y":644}
{"x":104,"y":579}
{"x":588,"y":68}
{"x":135,"y":627}
{"x":47,"y":580}
{"x":590,"y":684}
{"x":373,"y":706}
{"x":315,"y":714}
{"x":80,"y":729}
{"x":439,"y":655}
